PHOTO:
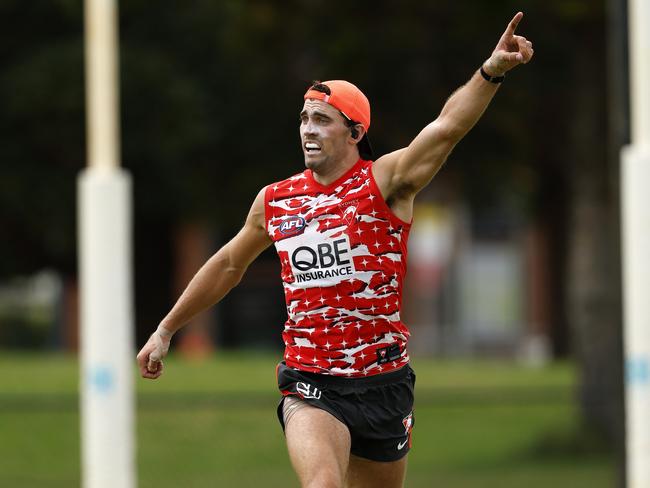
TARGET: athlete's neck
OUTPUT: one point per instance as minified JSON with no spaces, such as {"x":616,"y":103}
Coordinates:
{"x":327,"y":176}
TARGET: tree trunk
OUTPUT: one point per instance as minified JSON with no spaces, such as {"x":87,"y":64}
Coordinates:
{"x":594,"y":275}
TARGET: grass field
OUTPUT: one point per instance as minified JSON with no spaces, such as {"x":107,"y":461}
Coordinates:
{"x":213,"y":424}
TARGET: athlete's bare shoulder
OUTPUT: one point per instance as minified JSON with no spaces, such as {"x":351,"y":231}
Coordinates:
{"x":257,"y":212}
{"x":383,"y":170}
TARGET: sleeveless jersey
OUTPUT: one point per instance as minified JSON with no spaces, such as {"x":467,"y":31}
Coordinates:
{"x":343,"y":262}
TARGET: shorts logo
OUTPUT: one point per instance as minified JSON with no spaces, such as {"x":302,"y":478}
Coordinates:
{"x":292,"y":226}
{"x":308,"y":391}
{"x":407,"y":422}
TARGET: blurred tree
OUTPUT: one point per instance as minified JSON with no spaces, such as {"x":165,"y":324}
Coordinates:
{"x":42,"y":127}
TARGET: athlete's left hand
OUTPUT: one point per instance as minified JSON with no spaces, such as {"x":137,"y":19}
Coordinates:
{"x":511,"y":50}
{"x":150,"y":357}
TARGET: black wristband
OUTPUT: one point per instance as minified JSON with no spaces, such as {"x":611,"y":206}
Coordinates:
{"x":492,"y":79}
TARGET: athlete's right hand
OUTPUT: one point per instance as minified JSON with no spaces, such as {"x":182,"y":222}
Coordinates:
{"x":511,"y":50}
{"x":152,"y":353}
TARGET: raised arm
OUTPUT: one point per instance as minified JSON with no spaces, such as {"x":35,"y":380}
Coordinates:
{"x":210,"y":284}
{"x":403,"y":173}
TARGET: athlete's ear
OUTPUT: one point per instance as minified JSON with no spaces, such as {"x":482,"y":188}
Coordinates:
{"x":357,"y":132}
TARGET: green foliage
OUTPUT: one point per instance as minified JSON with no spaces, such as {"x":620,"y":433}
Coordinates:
{"x":210,"y":92}
{"x":41,"y":92}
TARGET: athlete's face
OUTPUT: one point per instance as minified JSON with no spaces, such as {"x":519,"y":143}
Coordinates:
{"x":325,"y":138}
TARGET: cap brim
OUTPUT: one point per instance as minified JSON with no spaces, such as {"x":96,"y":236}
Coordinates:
{"x":365,"y":150}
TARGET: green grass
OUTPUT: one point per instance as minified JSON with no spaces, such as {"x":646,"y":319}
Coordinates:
{"x":213,"y":424}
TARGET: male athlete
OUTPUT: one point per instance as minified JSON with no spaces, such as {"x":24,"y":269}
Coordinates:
{"x":340,"y":229}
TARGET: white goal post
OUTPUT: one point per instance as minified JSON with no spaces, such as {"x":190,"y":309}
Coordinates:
{"x":104,"y":238}
{"x":635,"y":207}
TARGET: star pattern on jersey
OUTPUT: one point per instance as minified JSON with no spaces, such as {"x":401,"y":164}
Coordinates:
{"x":336,"y":325}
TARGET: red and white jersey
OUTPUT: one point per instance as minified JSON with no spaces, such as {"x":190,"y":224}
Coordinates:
{"x":343,"y":256}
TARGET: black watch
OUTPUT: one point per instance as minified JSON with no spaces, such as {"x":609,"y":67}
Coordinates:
{"x":492,"y":79}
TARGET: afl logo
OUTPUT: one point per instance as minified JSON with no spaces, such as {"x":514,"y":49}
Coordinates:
{"x":292,"y":226}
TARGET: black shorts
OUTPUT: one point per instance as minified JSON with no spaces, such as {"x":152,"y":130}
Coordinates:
{"x":378,"y":410}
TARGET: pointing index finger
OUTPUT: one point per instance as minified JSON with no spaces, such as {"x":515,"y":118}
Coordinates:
{"x":514,"y":23}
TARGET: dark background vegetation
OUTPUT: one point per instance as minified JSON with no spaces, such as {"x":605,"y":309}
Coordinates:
{"x":210,"y":95}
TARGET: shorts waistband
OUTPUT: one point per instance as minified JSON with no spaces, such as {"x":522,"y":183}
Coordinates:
{"x":374,"y":380}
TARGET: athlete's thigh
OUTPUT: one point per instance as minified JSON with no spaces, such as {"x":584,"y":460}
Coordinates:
{"x":363,"y":473}
{"x":318,"y":444}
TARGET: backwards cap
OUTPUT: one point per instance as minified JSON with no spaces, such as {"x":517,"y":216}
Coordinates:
{"x":350,"y":101}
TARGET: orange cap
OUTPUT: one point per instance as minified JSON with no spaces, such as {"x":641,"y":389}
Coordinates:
{"x":345,"y":97}
{"x":348,"y":100}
